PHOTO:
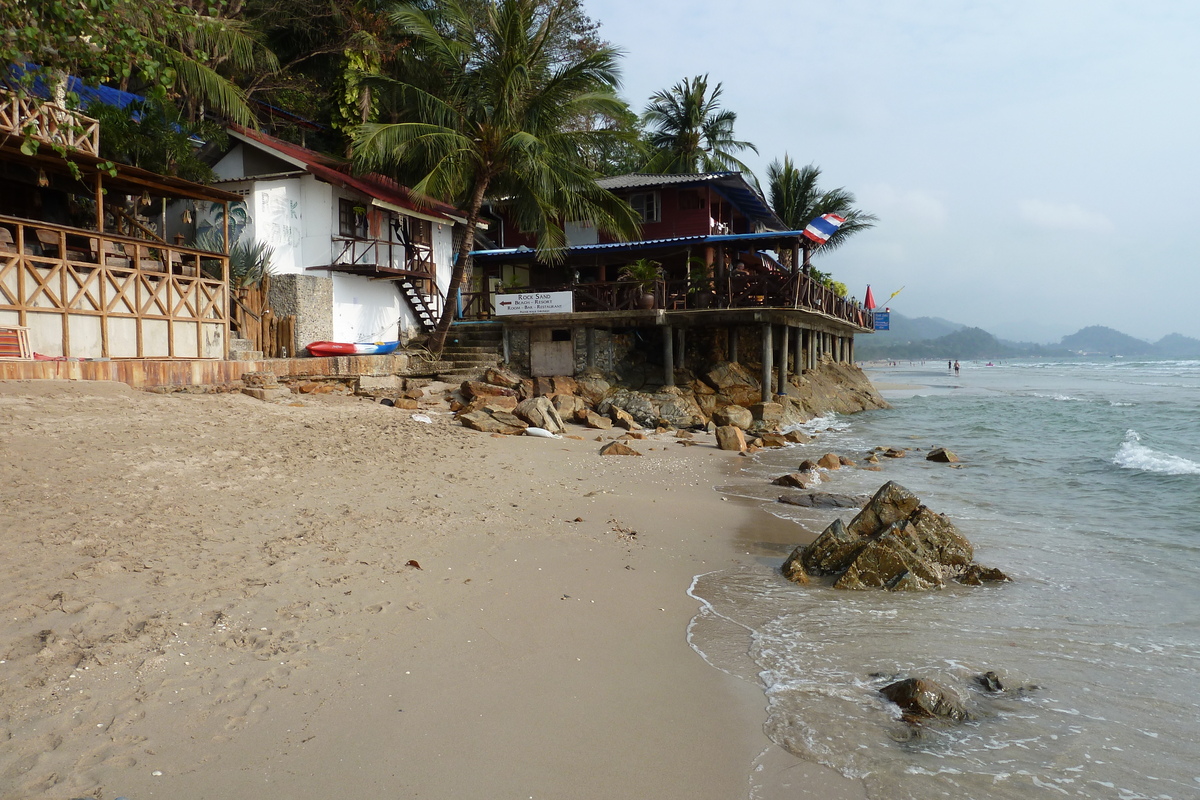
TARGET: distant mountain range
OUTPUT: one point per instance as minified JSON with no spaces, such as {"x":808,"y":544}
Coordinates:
{"x":933,"y":337}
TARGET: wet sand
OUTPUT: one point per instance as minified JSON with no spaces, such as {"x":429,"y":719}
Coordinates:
{"x":210,"y":596}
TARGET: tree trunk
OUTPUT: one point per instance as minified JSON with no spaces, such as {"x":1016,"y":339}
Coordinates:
{"x":462,"y":270}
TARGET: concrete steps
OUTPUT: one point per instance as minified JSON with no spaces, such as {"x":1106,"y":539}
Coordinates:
{"x":472,"y":348}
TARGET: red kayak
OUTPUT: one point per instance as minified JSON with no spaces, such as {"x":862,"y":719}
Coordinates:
{"x":351,"y":349}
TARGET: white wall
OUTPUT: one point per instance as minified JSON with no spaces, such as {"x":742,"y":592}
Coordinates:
{"x":365,"y":310}
{"x":278,"y":219}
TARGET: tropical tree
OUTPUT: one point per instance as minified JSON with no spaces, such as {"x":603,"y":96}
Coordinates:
{"x":195,"y":55}
{"x":797,"y":199}
{"x":486,"y":113}
{"x":689,"y":132}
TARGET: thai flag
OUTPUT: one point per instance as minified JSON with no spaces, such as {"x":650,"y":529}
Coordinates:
{"x":824,"y":226}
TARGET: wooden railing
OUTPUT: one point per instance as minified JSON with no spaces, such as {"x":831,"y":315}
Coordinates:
{"x":775,"y":290}
{"x":88,"y":294}
{"x":49,"y":123}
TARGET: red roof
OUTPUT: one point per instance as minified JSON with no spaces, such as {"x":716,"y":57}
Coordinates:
{"x":337,"y":171}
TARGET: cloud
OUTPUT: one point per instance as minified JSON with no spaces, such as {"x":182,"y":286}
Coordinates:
{"x":1063,"y":217}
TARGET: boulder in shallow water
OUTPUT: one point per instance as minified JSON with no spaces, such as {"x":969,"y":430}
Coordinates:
{"x":730,"y":437}
{"x":920,"y":699}
{"x":822,"y":499}
{"x":894,"y":543}
{"x":942,"y":456}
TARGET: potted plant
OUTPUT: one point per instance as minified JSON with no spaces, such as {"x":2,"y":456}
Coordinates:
{"x":646,"y":273}
{"x":700,"y":283}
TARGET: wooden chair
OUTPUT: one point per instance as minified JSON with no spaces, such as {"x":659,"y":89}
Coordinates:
{"x":7,"y":244}
{"x":114,"y":256}
{"x":50,"y":243}
{"x":178,"y":266}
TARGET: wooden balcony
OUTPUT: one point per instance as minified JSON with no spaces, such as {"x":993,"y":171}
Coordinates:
{"x":86,"y":294}
{"x":48,"y":123}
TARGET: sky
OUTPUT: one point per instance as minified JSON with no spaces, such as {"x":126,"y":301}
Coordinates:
{"x":1035,"y":164}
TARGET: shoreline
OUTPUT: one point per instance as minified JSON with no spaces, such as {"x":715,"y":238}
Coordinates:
{"x":231,"y":601}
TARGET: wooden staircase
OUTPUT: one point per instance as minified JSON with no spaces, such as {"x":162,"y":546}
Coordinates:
{"x":424,"y":312}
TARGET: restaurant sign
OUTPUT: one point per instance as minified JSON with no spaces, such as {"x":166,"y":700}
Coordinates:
{"x":535,"y":303}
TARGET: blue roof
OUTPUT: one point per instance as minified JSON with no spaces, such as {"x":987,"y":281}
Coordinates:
{"x":88,"y":95}
{"x":643,"y":244}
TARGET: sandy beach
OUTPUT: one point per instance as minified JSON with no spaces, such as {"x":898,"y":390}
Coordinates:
{"x":209,"y":596}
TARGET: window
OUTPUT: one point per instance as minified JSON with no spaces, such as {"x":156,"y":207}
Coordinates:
{"x":420,"y":231}
{"x":647,"y":206}
{"x":352,"y":219}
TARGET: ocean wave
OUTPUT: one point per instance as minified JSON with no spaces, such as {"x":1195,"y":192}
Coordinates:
{"x":1062,"y":397}
{"x":1132,"y":454}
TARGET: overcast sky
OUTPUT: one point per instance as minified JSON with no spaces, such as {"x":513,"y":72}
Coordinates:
{"x":1035,"y":163}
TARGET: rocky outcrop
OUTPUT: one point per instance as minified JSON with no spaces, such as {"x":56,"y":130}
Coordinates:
{"x":727,"y":394}
{"x":894,"y":543}
{"x":618,"y":449}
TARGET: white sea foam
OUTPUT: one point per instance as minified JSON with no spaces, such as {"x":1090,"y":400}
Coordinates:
{"x":1132,"y":454}
{"x":1062,"y":398}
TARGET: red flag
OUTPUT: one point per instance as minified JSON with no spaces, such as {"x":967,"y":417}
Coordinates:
{"x":869,"y":303}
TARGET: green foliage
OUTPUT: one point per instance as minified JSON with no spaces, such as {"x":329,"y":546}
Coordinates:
{"x":249,"y":262}
{"x":153,"y":135}
{"x":689,"y":132}
{"x":798,"y":200}
{"x":141,"y":44}
{"x":644,"y":271}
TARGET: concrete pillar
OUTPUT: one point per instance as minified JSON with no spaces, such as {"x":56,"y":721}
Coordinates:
{"x":850,"y":356}
{"x":733,"y":344}
{"x":768,"y":351}
{"x":797,"y":351}
{"x":590,"y":344}
{"x":668,"y":356}
{"x":507,"y":345}
{"x":783,"y":359}
{"x":681,"y":348}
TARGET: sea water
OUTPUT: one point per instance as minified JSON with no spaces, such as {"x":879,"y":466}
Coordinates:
{"x":1081,"y":481}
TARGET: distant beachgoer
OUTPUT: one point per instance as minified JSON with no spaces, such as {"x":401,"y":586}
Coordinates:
{"x":949,"y":365}
{"x":955,"y":367}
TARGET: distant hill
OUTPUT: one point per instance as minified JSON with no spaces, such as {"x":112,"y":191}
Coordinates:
{"x":1099,"y":340}
{"x":1175,"y":345}
{"x":961,"y":342}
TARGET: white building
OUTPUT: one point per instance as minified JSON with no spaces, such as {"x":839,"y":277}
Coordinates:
{"x":356,"y":258}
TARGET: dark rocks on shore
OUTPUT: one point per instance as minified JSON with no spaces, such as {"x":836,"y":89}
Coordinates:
{"x":894,"y":543}
{"x":821,"y":499}
{"x":798,"y":480}
{"x":921,"y":699}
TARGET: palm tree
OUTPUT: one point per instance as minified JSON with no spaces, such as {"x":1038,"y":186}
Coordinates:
{"x":690,"y":132}
{"x":486,"y":114}
{"x":798,"y":200}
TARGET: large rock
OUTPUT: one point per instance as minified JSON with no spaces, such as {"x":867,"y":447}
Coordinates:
{"x":822,"y":499}
{"x":670,"y":405}
{"x":797,"y":480}
{"x":942,"y":456}
{"x":594,"y":420}
{"x":499,"y":376}
{"x":592,"y":388}
{"x":490,"y":419}
{"x":618,"y":449}
{"x":481,"y":389}
{"x":921,"y":699}
{"x":734,"y":415}
{"x":730,"y":437}
{"x":767,"y":416}
{"x":540,"y":413}
{"x":734,"y":383}
{"x":568,"y":406}
{"x":623,"y":419}
{"x":894,"y":543}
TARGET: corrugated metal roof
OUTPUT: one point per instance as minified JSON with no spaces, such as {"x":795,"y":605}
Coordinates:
{"x":636,"y":180}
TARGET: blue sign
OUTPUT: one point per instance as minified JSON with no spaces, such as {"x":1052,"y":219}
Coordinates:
{"x":883,"y":320}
